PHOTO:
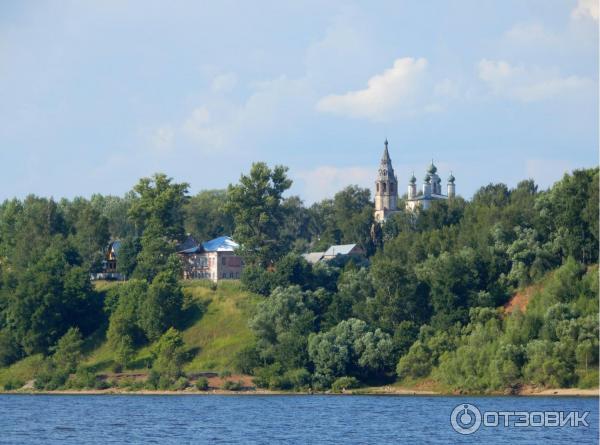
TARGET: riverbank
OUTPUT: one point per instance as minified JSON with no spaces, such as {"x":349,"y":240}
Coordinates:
{"x":385,"y":390}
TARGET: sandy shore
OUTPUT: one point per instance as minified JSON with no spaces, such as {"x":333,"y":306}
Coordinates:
{"x":384,"y":390}
{"x":562,"y":392}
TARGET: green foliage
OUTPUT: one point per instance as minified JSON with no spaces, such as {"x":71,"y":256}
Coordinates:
{"x":344,"y":383}
{"x":67,"y":352}
{"x":282,"y":324}
{"x":50,"y":296}
{"x":256,"y":205}
{"x":206,"y":216}
{"x":162,"y":307}
{"x":202,"y":384}
{"x":231,"y":385}
{"x":424,"y":300}
{"x":9,"y":350}
{"x":168,"y":355}
{"x":350,"y":348}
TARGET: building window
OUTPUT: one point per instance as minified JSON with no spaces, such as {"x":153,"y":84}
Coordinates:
{"x":224,"y":275}
{"x":224,"y":261}
{"x":384,"y":187}
{"x":378,"y":186}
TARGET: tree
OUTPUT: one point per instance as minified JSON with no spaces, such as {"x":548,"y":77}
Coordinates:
{"x":53,"y":294}
{"x":206,"y":216}
{"x":256,"y":205}
{"x":163,"y":305}
{"x":157,"y":211}
{"x":282,"y":324}
{"x":350,"y":349}
{"x":169,"y":355}
{"x":67,"y":353}
{"x":124,"y":329}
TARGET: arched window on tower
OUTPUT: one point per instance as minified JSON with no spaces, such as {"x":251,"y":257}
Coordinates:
{"x":377,"y":185}
{"x":384,"y":187}
{"x":392,"y":188}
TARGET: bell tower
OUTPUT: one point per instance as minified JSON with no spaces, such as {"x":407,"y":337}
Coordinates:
{"x":386,"y":188}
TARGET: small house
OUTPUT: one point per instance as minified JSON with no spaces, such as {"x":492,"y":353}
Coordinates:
{"x":214,"y":260}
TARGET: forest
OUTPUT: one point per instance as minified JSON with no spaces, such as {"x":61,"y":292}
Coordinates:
{"x":428,"y":302}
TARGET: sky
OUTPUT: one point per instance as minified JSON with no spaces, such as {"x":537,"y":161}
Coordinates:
{"x":96,"y":94}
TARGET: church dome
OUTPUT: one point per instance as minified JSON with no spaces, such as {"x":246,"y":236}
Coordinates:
{"x":451,"y":179}
{"x":432,"y":169}
{"x":427,"y":178}
{"x":413,"y":180}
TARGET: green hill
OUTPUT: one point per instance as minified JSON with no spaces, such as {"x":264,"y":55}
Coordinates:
{"x":217,"y":328}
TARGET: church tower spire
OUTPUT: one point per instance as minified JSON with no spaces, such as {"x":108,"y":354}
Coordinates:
{"x":386,"y":187}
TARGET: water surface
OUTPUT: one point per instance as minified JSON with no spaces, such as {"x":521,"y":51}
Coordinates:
{"x":302,"y":419}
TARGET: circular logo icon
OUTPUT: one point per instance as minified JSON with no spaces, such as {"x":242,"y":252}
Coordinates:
{"x":465,"y":418}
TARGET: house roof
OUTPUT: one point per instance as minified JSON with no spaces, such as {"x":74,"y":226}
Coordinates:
{"x":343,"y":249}
{"x":189,"y":243}
{"x":115,"y":246}
{"x":221,"y":244}
{"x":313,"y":257}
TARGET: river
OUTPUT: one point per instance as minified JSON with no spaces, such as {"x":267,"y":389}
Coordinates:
{"x":301,"y":419}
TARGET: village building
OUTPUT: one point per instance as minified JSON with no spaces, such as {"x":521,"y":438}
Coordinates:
{"x":214,"y":260}
{"x":343,"y":250}
{"x":109,"y":263}
{"x":386,"y":189}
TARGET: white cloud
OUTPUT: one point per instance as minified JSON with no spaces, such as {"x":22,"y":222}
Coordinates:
{"x":224,"y":83}
{"x":586,"y":9}
{"x":395,"y":91}
{"x":324,"y":181}
{"x":530,"y":35}
{"x":528,"y":84}
{"x":221,"y":123}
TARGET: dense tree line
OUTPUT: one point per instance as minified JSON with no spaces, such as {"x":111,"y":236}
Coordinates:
{"x":429,"y":303}
{"x":423,"y":303}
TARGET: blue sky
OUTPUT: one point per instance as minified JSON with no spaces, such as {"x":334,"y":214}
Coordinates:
{"x":96,"y":94}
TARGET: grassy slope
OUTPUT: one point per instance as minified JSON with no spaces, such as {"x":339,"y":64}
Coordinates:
{"x":215,"y":333}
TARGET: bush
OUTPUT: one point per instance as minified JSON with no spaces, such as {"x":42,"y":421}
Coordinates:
{"x":231,"y":385}
{"x":164,"y":382}
{"x":344,"y":383}
{"x":153,"y":379}
{"x":83,"y":378}
{"x":299,"y":378}
{"x":181,"y":384}
{"x":225,"y":374}
{"x":202,"y":384}
{"x":13,"y":384}
{"x":247,"y":360}
{"x":101,"y":384}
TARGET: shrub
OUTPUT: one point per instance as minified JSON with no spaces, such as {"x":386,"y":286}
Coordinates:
{"x":299,"y":378}
{"x":344,"y":383}
{"x":101,"y":384}
{"x":13,"y":384}
{"x":181,"y":384}
{"x":152,"y":380}
{"x":83,"y":378}
{"x":202,"y":384}
{"x":225,"y":374}
{"x":231,"y":385}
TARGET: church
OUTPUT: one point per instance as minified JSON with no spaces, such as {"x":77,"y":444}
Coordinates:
{"x":386,"y":189}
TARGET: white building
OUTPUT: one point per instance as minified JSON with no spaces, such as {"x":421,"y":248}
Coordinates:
{"x":386,"y":189}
